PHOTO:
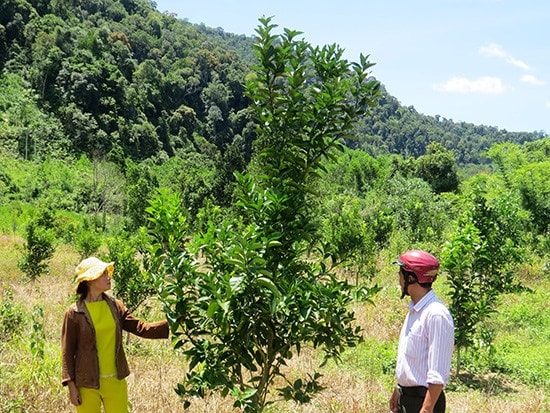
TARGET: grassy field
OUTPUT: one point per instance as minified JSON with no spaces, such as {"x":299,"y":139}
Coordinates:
{"x":515,"y":378}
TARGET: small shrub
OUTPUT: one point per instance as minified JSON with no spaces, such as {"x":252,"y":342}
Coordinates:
{"x":87,"y":243}
{"x":12,"y":316}
{"x":39,"y":248}
{"x":38,"y":336}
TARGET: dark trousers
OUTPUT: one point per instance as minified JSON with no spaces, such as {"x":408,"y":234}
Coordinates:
{"x":411,"y":399}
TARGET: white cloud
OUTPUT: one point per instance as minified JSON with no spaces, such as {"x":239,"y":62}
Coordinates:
{"x":495,"y":50}
{"x":532,"y":80}
{"x":492,"y":50}
{"x":548,"y":104}
{"x":484,"y":85}
{"x":518,"y":63}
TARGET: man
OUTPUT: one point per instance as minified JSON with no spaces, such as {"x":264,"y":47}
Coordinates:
{"x":426,"y":341}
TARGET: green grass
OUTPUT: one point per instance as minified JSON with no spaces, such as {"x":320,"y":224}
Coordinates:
{"x":523,"y":338}
{"x":520,"y":347}
{"x":515,"y":378}
{"x":371,"y":358}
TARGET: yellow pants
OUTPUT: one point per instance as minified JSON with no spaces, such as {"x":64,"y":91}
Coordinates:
{"x":112,"y":393}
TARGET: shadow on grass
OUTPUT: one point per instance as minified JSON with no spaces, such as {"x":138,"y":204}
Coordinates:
{"x":488,"y":384}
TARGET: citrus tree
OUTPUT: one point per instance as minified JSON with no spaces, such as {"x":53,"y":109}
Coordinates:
{"x":243,"y":298}
{"x":480,"y":259}
{"x":39,"y":246}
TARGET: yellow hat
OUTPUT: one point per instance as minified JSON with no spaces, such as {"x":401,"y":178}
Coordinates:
{"x":91,"y":269}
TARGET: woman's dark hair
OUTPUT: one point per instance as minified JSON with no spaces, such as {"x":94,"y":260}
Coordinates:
{"x":82,"y":289}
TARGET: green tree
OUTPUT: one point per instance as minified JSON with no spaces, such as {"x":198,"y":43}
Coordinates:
{"x":348,"y":236}
{"x":414,"y":209}
{"x":526,"y":170}
{"x":480,"y":259}
{"x":25,"y":129}
{"x":196,"y":178}
{"x":141,"y":184}
{"x":438,"y":168}
{"x":354,"y":172}
{"x":88,"y":242}
{"x":532,"y":182}
{"x":106,"y":195}
{"x":39,"y":245}
{"x":254,"y":300}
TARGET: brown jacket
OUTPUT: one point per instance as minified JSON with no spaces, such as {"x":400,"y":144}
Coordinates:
{"x":78,"y":344}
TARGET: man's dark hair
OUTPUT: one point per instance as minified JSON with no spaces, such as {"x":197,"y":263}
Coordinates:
{"x":412,"y":274}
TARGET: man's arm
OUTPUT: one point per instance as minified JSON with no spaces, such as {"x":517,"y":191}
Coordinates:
{"x":434,"y":390}
{"x":394,"y":401}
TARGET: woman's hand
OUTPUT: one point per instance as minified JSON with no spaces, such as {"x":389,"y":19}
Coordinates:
{"x":74,"y":394}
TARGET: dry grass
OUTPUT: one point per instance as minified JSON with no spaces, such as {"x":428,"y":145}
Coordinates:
{"x":31,"y":385}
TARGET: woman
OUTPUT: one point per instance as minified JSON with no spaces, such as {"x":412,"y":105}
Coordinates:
{"x":94,"y":366}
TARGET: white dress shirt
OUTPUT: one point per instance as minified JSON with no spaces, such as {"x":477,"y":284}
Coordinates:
{"x":426,"y":344}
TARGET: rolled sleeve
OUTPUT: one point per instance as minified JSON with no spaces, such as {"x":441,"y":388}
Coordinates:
{"x":140,"y":328}
{"x":441,"y":345}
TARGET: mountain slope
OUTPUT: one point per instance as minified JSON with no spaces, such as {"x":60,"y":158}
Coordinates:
{"x":120,"y":79}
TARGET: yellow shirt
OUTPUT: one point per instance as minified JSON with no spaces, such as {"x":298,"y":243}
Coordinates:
{"x":105,"y":333}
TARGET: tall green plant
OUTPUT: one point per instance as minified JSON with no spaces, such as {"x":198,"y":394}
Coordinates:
{"x":141,"y":186}
{"x":480,"y":259}
{"x":39,"y":246}
{"x":438,"y":168}
{"x":12,"y":316}
{"x":38,"y":335}
{"x":348,"y":236}
{"x":243,"y":299}
{"x":87,"y":241}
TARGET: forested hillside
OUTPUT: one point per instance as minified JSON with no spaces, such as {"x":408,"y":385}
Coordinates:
{"x":394,"y":128}
{"x":117,"y":79}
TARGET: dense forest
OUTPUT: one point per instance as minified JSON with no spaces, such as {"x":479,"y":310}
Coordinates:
{"x":118,"y":79}
{"x":290,"y":174}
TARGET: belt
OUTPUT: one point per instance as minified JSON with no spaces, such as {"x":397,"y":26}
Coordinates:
{"x":414,"y":391}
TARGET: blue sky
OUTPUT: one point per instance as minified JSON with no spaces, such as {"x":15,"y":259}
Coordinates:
{"x":485,"y":62}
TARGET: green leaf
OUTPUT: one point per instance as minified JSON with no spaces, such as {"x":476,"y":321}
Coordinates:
{"x":212,"y":308}
{"x":236,"y":283}
{"x":224,"y":306}
{"x":267,"y":283}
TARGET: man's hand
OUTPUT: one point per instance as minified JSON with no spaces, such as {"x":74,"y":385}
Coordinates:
{"x":394,"y":400}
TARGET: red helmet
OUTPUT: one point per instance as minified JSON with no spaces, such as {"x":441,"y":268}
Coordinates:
{"x":423,"y":264}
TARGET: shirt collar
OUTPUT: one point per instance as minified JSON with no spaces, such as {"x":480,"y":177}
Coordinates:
{"x":428,"y":297}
